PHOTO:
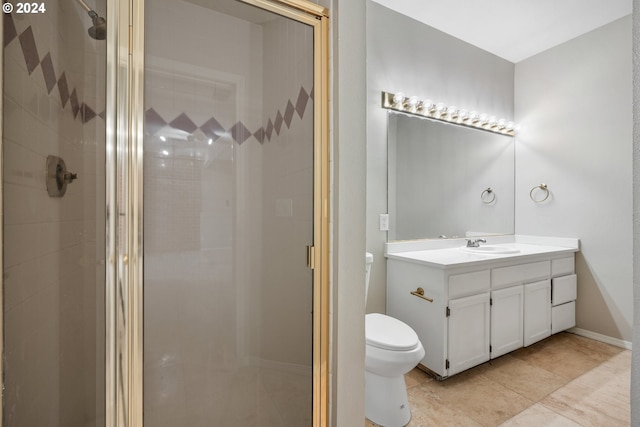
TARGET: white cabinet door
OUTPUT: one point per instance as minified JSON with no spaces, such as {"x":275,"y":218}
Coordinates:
{"x":469,"y":325}
{"x":537,"y":311}
{"x":507,"y":320}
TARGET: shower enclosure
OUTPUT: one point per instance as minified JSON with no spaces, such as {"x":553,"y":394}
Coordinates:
{"x":165,"y":214}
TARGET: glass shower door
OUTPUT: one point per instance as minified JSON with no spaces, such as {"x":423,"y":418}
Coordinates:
{"x":53,"y":283}
{"x":228,"y":216}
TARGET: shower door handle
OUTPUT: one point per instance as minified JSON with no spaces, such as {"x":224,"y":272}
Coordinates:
{"x":311,"y":257}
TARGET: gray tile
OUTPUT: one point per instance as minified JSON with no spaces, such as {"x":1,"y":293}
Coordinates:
{"x":75,"y":105}
{"x":301,"y":103}
{"x":29,"y":49}
{"x":87,"y":113}
{"x":9,"y":30}
{"x":63,"y":89}
{"x":269,"y":129}
{"x":278,"y":122}
{"x":184,"y":123}
{"x":153,"y":122}
{"x":48,"y":73}
{"x":288,"y":114}
{"x":240,"y":133}
{"x":212,"y":128}
{"x":259,"y":135}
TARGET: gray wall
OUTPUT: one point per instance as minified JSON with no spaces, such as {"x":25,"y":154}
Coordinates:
{"x":635,"y":362}
{"x":404,"y":55}
{"x":573,"y":103}
{"x":348,"y":198}
{"x":560,"y":118}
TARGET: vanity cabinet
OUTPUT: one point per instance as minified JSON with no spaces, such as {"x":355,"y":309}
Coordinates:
{"x":507,"y":320}
{"x":484,"y":326}
{"x":537,"y":311}
{"x":473,"y":312}
{"x":469,"y":332}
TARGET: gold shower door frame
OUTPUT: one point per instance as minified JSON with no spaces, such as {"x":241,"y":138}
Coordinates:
{"x":124,"y":121}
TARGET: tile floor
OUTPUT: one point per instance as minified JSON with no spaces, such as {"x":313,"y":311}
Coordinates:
{"x":564,"y":381}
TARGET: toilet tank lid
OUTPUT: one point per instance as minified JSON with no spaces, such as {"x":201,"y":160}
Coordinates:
{"x":389,"y":333}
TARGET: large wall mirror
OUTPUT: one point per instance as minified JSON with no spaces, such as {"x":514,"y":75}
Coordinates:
{"x":448,"y":181}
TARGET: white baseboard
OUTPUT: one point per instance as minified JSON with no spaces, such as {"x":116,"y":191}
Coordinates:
{"x":603,"y":338}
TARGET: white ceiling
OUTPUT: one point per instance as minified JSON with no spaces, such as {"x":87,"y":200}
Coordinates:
{"x":513,"y":29}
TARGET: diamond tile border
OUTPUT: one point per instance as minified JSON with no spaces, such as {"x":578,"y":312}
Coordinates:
{"x":32,"y":59}
{"x":29,"y":49}
{"x":153,"y":121}
{"x":10,"y":32}
{"x":48,"y":73}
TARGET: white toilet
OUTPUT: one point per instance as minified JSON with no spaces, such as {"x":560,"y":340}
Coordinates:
{"x":393,"y":349}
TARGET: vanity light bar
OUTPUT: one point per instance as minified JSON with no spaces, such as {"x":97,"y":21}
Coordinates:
{"x":451,"y":114}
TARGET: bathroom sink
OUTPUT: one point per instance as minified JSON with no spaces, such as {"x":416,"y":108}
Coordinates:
{"x":491,"y":249}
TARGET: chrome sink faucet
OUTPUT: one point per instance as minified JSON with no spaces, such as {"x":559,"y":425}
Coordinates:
{"x":475,"y":243}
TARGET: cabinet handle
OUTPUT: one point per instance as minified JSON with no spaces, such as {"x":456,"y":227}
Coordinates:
{"x":420,"y":294}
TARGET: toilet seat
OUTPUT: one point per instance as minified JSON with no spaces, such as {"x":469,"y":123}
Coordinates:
{"x":388,"y":333}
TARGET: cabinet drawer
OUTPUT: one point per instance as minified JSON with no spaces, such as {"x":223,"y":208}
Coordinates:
{"x":563,"y":289}
{"x":563,"y":317}
{"x":563,"y":266}
{"x":523,"y":273}
{"x":468,"y":283}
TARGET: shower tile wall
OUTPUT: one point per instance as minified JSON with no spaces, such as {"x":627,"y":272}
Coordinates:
{"x":228,"y":179}
{"x":53,"y":247}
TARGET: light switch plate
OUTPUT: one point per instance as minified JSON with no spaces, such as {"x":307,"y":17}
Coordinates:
{"x":384,"y":222}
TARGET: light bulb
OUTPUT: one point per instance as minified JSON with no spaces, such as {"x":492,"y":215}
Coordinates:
{"x":502,"y":123}
{"x":412,"y":102}
{"x":483,"y":119}
{"x":492,"y":121}
{"x":473,"y":116}
{"x":441,"y":109}
{"x":398,"y":98}
{"x":510,"y":126}
{"x":463,"y":114}
{"x":453,"y":112}
{"x":428,"y":105}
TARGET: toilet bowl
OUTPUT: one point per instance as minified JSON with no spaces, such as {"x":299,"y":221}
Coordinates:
{"x":392,"y":350}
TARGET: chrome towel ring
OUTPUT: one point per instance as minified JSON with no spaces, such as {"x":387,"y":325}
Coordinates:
{"x":541,"y":187}
{"x":488,"y":196}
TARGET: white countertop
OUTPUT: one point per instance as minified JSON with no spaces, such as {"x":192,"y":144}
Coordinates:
{"x":455,"y":255}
